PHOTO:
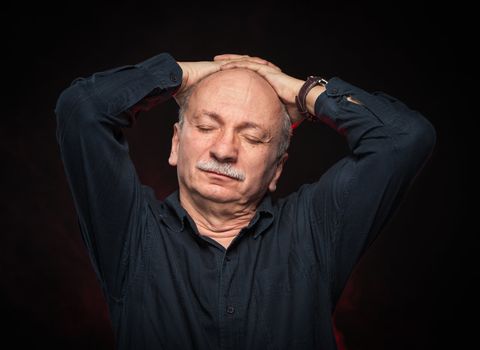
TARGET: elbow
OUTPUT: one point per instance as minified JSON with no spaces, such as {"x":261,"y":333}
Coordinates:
{"x":69,"y":99}
{"x":424,"y":135}
{"x":75,"y":109}
{"x":75,"y":103}
{"x":419,"y":141}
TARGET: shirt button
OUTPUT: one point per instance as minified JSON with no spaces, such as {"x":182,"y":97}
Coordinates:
{"x":173,"y":77}
{"x":227,"y":258}
{"x":230,"y":309}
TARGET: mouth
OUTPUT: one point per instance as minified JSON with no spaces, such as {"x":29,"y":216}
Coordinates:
{"x":220,"y":170}
{"x":218,"y":175}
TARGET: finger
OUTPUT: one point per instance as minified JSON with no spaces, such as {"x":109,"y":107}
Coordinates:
{"x":264,"y":61}
{"x":244,"y":64}
{"x":234,"y":57}
{"x":261,"y":61}
{"x":242,"y":58}
{"x":270,"y":64}
{"x":228,"y":56}
{"x":249,"y":64}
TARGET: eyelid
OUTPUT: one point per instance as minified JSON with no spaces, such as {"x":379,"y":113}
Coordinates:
{"x":257,"y":136}
{"x":253,"y":139}
{"x":204,"y":128}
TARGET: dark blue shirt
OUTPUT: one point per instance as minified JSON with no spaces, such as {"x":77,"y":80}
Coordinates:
{"x":277,"y":284}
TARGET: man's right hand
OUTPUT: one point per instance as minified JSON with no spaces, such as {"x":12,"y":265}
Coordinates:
{"x":192,"y":72}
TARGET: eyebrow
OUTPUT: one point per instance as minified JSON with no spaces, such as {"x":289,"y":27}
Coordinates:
{"x":245,"y":125}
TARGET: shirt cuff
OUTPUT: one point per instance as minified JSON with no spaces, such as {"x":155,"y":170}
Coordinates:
{"x":164,"y":70}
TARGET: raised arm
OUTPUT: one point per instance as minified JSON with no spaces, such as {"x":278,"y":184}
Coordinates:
{"x":108,"y":196}
{"x":389,"y":144}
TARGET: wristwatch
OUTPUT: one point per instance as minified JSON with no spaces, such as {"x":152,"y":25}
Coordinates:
{"x":301,"y":98}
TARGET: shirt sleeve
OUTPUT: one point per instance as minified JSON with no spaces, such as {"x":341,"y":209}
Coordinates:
{"x":108,"y":196}
{"x":389,"y":144}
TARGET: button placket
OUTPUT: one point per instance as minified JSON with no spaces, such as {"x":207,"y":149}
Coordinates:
{"x":229,"y":301}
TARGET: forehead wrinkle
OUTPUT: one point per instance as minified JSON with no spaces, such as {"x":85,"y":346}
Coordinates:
{"x":250,"y":80}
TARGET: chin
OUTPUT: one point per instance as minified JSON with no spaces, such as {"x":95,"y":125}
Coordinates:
{"x":218,"y":194}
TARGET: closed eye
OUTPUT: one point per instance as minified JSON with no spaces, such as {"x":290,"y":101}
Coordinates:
{"x":253,"y":140}
{"x":205,"y":128}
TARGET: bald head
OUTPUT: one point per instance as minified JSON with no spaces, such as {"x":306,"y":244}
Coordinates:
{"x":242,"y":86}
{"x":240,"y":91}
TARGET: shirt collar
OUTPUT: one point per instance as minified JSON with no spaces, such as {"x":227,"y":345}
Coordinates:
{"x":175,"y":216}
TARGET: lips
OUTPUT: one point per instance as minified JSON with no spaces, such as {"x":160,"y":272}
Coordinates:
{"x":218,"y":174}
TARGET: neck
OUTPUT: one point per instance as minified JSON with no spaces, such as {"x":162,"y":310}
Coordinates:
{"x":220,"y":221}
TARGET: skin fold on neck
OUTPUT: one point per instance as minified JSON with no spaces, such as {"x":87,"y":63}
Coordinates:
{"x":220,"y":221}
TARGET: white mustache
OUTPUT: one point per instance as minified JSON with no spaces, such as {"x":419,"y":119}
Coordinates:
{"x":222,"y":168}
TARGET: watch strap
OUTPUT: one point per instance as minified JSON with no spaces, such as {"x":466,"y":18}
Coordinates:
{"x":301,"y":98}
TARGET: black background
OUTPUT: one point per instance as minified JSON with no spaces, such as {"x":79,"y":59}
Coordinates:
{"x":412,"y":290}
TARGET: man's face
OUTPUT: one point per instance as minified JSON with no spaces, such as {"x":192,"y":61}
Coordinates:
{"x":226,"y":150}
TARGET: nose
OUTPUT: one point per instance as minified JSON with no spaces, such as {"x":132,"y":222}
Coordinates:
{"x":225,"y":147}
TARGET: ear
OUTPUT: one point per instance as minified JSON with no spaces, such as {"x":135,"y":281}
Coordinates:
{"x":172,"y":160}
{"x":272,"y":186}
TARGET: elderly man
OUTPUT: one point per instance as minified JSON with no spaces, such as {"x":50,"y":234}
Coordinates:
{"x":219,"y":264}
